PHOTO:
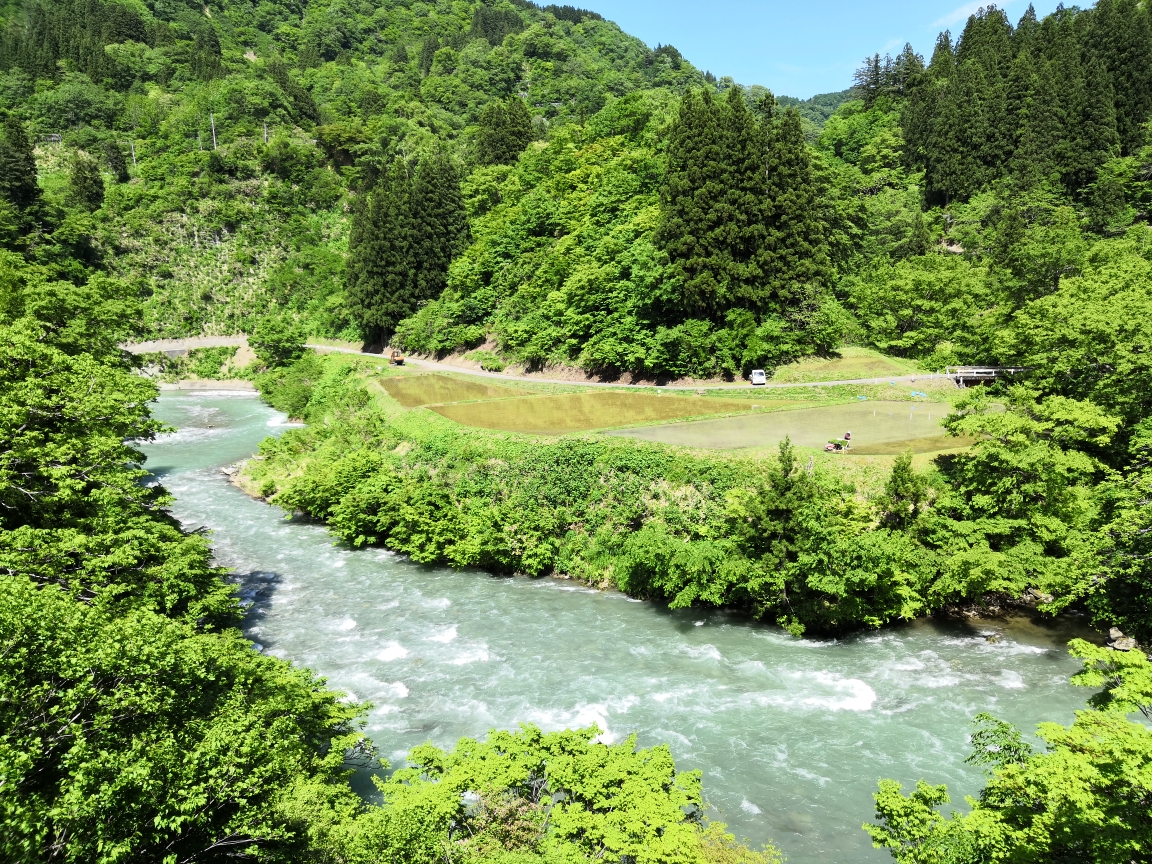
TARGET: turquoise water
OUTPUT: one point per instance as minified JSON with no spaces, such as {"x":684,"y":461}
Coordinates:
{"x":791,"y":734}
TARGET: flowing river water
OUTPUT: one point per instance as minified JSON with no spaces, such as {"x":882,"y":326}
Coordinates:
{"x":791,"y":734}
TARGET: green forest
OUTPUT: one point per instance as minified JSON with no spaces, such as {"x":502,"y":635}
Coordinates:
{"x":531,"y":183}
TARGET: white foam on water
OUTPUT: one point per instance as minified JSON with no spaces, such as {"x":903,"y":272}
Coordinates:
{"x":752,"y":666}
{"x":438,"y":603}
{"x":850,"y":694}
{"x":701,"y":652}
{"x":935,"y":682}
{"x":908,"y":664}
{"x":809,"y":775}
{"x":392,"y":651}
{"x":1013,"y":648}
{"x":445,"y":637}
{"x":397,"y":689}
{"x":479,"y":655}
{"x":580,"y":717}
{"x":346,"y":624}
{"x":1010,"y":680}
{"x":748,"y":807}
{"x":662,"y":697}
{"x":699,"y":623}
{"x":779,"y":637}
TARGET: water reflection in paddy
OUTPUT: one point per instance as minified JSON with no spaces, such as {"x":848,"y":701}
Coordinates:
{"x":873,"y":425}
{"x":791,"y":734}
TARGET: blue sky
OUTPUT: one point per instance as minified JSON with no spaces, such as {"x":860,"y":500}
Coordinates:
{"x":796,"y":49}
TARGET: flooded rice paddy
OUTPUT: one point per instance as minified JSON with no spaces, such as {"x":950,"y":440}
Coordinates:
{"x":790,"y":734}
{"x":414,"y":391}
{"x":876,"y":427}
{"x":582,"y":412}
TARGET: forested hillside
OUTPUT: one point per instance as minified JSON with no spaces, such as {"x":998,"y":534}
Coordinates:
{"x":235,"y":147}
{"x":532,"y":180}
{"x":233,"y":142}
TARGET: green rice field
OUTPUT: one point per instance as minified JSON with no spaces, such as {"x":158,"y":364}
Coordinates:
{"x":414,"y":391}
{"x":583,"y":412}
{"x":877,"y":428}
{"x":850,"y":363}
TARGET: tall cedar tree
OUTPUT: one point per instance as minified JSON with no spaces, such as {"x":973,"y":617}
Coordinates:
{"x":958,"y":131}
{"x":1095,"y":137}
{"x":380,"y":279}
{"x":440,"y":222}
{"x":918,"y":117}
{"x":505,"y":130}
{"x":402,"y":241}
{"x":714,"y":206}
{"x":428,"y":51}
{"x":1121,"y":39}
{"x":1057,"y":96}
{"x":85,"y":183}
{"x":987,"y":43}
{"x":17,"y":165}
{"x":207,"y":59}
{"x":1040,"y":127}
{"x":114,"y":156}
{"x":798,"y":268}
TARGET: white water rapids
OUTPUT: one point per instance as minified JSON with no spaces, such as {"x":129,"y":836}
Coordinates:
{"x":791,"y":734}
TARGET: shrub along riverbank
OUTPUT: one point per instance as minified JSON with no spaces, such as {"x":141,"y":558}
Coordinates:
{"x":137,"y":724}
{"x":785,"y":538}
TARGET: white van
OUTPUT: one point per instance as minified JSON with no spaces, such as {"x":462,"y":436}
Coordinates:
{"x":759,"y":377}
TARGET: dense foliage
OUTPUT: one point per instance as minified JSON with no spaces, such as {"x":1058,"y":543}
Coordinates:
{"x":1022,"y":514}
{"x":1084,"y":798}
{"x":137,"y":724}
{"x":531,"y":183}
{"x":235,"y":143}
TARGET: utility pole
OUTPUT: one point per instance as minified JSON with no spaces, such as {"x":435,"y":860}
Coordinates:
{"x":132,"y":145}
{"x":265,"y":131}
{"x":212,"y":120}
{"x":199,"y":141}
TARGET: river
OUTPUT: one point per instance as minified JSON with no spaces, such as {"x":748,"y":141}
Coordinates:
{"x":791,"y":734}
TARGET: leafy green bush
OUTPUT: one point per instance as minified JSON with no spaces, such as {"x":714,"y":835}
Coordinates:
{"x":1084,"y":798}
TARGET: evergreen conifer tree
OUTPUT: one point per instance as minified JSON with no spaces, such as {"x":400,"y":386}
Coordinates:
{"x":1027,"y":31}
{"x":17,"y":165}
{"x":1120,"y":38}
{"x":690,"y":229}
{"x":987,"y":45}
{"x":402,"y":241}
{"x":1021,"y":84}
{"x":1093,"y":138}
{"x":427,"y":53}
{"x":919,"y":117}
{"x":439,"y":223}
{"x":380,"y":282}
{"x":505,"y":130}
{"x":797,"y":262}
{"x":1041,"y":128}
{"x":744,"y":209}
{"x":114,"y":156}
{"x":85,"y":183}
{"x":954,"y":169}
{"x":207,"y":59}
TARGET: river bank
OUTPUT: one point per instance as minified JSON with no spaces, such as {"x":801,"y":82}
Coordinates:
{"x":791,"y":734}
{"x":813,"y":541}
